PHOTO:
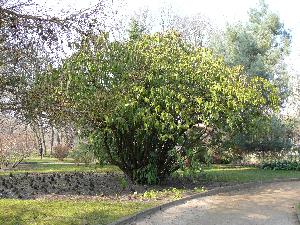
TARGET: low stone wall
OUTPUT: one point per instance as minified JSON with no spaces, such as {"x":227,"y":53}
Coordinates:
{"x":32,"y":185}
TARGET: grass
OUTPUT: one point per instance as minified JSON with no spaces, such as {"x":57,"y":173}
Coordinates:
{"x":65,"y":212}
{"x":170,"y":193}
{"x":61,"y":168}
{"x":246,"y":174}
{"x":47,"y":160}
{"x":72,"y":211}
{"x":51,"y":165}
{"x":216,"y":173}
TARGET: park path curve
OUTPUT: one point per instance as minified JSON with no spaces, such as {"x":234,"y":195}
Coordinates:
{"x":269,"y":204}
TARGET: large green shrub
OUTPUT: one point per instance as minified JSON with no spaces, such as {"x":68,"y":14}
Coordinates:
{"x":141,"y":96}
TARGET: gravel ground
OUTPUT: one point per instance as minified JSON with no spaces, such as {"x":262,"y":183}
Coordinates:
{"x":271,"y":204}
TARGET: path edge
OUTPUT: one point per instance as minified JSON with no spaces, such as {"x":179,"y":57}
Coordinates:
{"x":298,"y":213}
{"x":219,"y":190}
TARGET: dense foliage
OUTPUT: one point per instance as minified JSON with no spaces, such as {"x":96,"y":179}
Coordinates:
{"x":260,"y":45}
{"x":139,"y":97}
{"x":281,"y":165}
{"x":82,"y":154}
{"x":264,"y":137}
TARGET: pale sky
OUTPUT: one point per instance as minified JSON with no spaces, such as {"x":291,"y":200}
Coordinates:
{"x":218,"y":11}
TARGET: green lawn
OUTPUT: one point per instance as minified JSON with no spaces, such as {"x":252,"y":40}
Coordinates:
{"x":14,"y":212}
{"x":50,"y":168}
{"x":246,"y":174}
{"x":217,"y":173}
{"x":50,"y":165}
{"x":65,"y":212}
{"x":47,"y":160}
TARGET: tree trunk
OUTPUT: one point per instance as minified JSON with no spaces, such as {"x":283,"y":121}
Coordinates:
{"x":52,"y":140}
{"x":58,"y":138}
{"x":38,"y":140}
{"x":43,"y":140}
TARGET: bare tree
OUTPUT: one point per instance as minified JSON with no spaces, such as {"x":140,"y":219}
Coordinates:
{"x":195,"y":29}
{"x":16,"y":142}
{"x":34,"y":38}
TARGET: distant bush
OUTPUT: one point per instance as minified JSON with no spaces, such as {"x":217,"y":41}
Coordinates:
{"x":61,"y":152}
{"x":83,"y":154}
{"x":266,"y":137}
{"x":282,"y":165}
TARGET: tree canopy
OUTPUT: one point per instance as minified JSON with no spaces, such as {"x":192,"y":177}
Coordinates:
{"x":260,"y":45}
{"x":141,"y":95}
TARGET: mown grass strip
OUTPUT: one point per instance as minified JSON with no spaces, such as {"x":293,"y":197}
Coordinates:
{"x":66,"y":212}
{"x":60,"y":168}
{"x":246,"y":174}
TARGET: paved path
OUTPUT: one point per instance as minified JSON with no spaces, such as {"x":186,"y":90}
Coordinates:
{"x":270,"y":204}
